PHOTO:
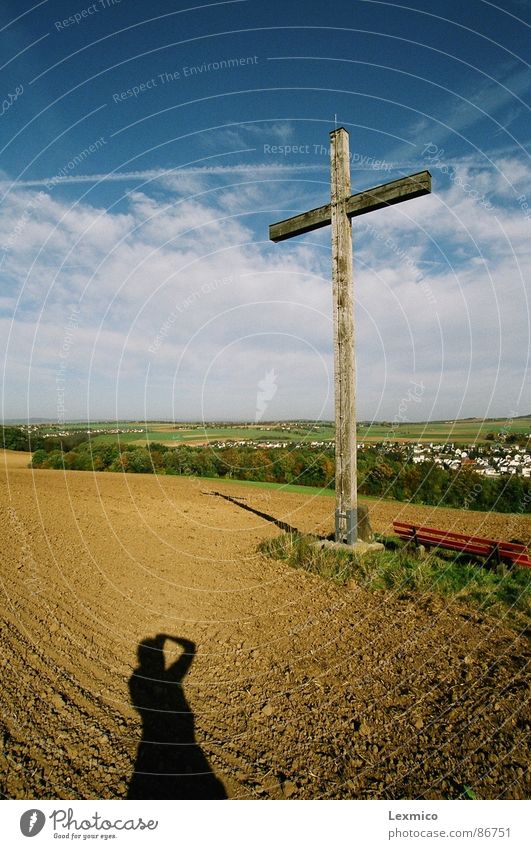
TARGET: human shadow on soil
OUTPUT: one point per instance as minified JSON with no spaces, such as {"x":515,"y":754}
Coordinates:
{"x":278,"y":522}
{"x":169,"y":764}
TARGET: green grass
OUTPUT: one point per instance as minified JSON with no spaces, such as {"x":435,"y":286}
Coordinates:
{"x":127,"y":438}
{"x":259,"y":433}
{"x":170,"y":435}
{"x":403,"y":572}
{"x":468,"y":432}
{"x":300,"y":488}
{"x":468,"y":792}
{"x":283,"y":487}
{"x":458,"y":431}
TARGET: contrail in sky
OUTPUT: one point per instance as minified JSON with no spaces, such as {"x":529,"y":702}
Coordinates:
{"x":160,"y":174}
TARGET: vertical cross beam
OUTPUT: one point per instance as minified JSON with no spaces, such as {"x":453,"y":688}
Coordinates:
{"x":338,"y":213}
{"x":344,"y":346}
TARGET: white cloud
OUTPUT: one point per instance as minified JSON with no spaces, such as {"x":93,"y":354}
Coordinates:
{"x":488,"y":100}
{"x":184,"y":307}
{"x":244,"y":134}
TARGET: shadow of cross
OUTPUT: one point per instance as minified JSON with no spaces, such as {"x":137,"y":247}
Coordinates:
{"x":342,"y":208}
{"x":278,"y":522}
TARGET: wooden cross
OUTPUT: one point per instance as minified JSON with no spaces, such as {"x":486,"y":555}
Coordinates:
{"x":342,"y":207}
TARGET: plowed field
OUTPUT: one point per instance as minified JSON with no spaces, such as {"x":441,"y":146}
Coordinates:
{"x":149,"y":651}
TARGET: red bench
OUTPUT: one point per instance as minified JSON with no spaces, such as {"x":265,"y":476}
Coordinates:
{"x":495,"y":551}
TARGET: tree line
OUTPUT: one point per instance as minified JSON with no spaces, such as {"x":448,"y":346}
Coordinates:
{"x":17,"y":439}
{"x":384,"y":475}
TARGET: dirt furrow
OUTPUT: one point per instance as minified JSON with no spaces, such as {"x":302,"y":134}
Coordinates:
{"x":288,"y":686}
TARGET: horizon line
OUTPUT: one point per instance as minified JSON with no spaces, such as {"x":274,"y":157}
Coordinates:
{"x":53,"y":423}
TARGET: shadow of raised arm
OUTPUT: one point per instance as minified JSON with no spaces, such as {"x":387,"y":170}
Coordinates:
{"x":178,"y":670}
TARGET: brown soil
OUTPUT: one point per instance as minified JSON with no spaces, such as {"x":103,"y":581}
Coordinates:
{"x":298,"y":688}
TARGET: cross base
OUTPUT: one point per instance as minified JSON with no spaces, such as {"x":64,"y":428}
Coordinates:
{"x":347,"y":526}
{"x":359,"y":547}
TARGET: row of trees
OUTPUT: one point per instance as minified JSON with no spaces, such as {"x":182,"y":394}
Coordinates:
{"x":19,"y":439}
{"x":379,"y":474}
{"x":302,"y":465}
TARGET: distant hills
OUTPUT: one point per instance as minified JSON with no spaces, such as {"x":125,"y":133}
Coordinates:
{"x":363,"y":423}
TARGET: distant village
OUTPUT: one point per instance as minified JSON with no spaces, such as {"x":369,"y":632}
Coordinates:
{"x":487,"y":460}
{"x":490,"y":459}
{"x":94,"y":431}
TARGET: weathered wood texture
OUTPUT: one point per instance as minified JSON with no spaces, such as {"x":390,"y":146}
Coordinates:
{"x":338,"y":213}
{"x":406,"y":188}
{"x":299,"y":224}
{"x":344,"y":365}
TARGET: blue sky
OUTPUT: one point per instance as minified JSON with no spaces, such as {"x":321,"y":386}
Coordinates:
{"x":147,"y":147}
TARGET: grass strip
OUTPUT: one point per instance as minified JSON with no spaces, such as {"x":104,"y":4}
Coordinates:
{"x":405,"y":573}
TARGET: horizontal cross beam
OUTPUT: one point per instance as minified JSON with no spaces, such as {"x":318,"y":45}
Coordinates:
{"x":388,"y":194}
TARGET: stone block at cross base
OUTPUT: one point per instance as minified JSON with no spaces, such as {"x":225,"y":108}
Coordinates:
{"x":365,"y":532}
{"x":365,"y":542}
